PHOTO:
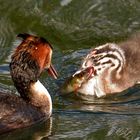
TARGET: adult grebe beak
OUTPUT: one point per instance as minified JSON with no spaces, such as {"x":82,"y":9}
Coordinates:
{"x":52,"y":72}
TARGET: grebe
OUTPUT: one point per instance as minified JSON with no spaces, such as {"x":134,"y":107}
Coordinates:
{"x":107,"y":69}
{"x":34,"y":104}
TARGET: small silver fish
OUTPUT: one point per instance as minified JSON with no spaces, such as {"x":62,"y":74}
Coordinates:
{"x":74,"y":82}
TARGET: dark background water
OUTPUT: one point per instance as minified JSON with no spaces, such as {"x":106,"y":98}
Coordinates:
{"x":73,"y":27}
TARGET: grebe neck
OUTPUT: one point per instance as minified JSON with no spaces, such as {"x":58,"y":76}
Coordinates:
{"x":40,"y":97}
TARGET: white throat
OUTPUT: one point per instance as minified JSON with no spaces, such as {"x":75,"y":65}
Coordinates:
{"x":39,"y":91}
{"x":92,"y":87}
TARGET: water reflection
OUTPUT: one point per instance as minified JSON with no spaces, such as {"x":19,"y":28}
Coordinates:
{"x":126,"y":102}
{"x":36,"y":132}
{"x":97,"y":126}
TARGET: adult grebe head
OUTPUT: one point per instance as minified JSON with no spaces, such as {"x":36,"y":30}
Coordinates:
{"x":30,"y":58}
{"x":28,"y":61}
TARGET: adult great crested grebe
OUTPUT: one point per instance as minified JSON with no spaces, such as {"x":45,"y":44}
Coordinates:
{"x":107,"y":69}
{"x":34,"y":104}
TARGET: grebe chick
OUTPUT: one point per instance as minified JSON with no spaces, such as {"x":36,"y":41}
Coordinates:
{"x":34,"y":104}
{"x":108,"y":69}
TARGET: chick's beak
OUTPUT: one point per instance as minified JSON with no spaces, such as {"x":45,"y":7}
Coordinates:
{"x":52,"y":72}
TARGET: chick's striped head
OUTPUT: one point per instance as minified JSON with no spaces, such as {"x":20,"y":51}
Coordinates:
{"x":108,"y":58}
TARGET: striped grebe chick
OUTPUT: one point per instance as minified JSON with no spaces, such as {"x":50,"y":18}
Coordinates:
{"x":107,"y":69}
{"x":34,"y":103}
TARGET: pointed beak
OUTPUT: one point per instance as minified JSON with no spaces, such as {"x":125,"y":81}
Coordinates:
{"x":52,"y":72}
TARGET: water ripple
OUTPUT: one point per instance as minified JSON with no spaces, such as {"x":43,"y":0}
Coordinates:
{"x":65,"y":2}
{"x":6,"y":32}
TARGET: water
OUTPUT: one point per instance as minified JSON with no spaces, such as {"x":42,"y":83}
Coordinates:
{"x":73,"y":27}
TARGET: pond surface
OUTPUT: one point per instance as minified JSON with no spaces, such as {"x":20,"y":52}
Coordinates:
{"x":73,"y":27}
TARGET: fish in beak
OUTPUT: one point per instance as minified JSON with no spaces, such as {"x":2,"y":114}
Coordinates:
{"x":75,"y":82}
